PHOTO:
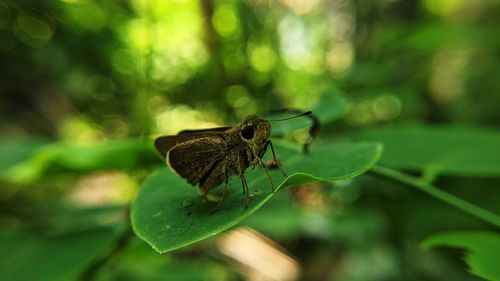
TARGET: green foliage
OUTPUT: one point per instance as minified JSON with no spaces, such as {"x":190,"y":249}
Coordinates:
{"x":439,"y":150}
{"x":424,"y":186}
{"x":33,"y":163}
{"x":168,"y":214}
{"x":139,"y":262}
{"x":85,"y":86}
{"x":331,"y":107}
{"x":26,"y":256}
{"x":482,"y":247}
{"x":14,"y":151}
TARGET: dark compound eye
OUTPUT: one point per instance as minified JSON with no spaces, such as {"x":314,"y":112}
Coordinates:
{"x":247,"y":132}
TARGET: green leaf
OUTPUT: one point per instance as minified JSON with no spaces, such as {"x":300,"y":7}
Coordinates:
{"x":168,"y":213}
{"x":439,"y":150}
{"x":61,"y":257}
{"x":61,"y":157}
{"x":15,"y":151}
{"x":483,"y":256}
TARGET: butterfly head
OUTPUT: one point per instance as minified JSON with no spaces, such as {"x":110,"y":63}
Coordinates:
{"x":255,"y":132}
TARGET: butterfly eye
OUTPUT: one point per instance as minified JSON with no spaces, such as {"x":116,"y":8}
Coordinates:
{"x":247,"y":132}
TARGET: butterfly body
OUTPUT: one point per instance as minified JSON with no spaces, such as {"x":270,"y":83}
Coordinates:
{"x":208,"y":158}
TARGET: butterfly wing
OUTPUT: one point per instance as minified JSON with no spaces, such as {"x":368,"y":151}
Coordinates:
{"x":165,"y":143}
{"x":218,"y":129}
{"x":195,"y":159}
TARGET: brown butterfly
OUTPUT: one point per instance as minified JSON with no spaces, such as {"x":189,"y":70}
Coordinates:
{"x":208,"y":157}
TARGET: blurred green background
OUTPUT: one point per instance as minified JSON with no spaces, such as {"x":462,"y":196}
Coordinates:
{"x":86,"y":85}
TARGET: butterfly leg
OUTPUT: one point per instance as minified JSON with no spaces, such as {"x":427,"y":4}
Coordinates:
{"x":226,"y":182}
{"x":267,"y":173}
{"x":241,"y":169}
{"x":275,"y":160}
{"x":245,"y":189}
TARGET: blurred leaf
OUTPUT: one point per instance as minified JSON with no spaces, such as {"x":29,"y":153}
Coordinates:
{"x":330,"y":107}
{"x":63,"y":218}
{"x":349,"y":227}
{"x":425,"y":186}
{"x":61,"y":157}
{"x":483,"y":248}
{"x":153,"y":266}
{"x":280,"y":218}
{"x":439,"y":150}
{"x":14,"y":151}
{"x":168,"y":215}
{"x":433,"y":36}
{"x":34,"y":257}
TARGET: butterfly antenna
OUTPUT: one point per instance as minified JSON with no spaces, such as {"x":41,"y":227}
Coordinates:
{"x":291,"y":117}
{"x":313,"y":130}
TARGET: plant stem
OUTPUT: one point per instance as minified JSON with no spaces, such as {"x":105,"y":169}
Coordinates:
{"x":93,"y":270}
{"x":444,"y":196}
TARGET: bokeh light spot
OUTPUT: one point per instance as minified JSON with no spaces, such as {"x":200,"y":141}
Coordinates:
{"x":100,"y":87}
{"x":360,"y":113}
{"x":139,"y":35}
{"x":32,"y":29}
{"x":262,"y":58}
{"x":181,"y":117}
{"x":448,"y":69}
{"x":116,"y":126}
{"x":87,"y":15}
{"x":79,"y":130}
{"x":166,"y":41}
{"x":340,"y":58}
{"x":123,"y":61}
{"x":239,"y":98}
{"x":103,"y":188}
{"x":443,"y":7}
{"x":234,"y":62}
{"x":387,"y":107}
{"x":293,"y":42}
{"x":302,"y":7}
{"x":225,"y":21}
